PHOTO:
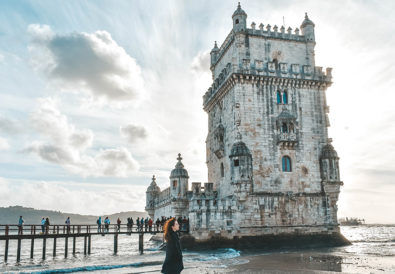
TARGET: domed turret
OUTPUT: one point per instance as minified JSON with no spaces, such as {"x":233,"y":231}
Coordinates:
{"x":329,"y":163}
{"x":179,"y":180}
{"x":307,"y":28}
{"x":241,"y":168}
{"x":179,"y":170}
{"x":151,"y":195}
{"x":239,"y":149}
{"x":239,"y":19}
{"x":214,"y":53}
{"x":328,"y":152}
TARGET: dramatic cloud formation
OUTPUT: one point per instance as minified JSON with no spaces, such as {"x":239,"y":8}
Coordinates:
{"x":94,"y":63}
{"x":133,"y":133}
{"x":4,"y":144}
{"x":66,"y":145}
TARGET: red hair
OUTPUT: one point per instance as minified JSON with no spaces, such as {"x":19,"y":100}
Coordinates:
{"x":168,"y":227}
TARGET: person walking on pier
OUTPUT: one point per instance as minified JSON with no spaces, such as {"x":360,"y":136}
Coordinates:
{"x":20,"y":225}
{"x":98,"y":222}
{"x":43,"y":225}
{"x":173,"y":262}
{"x":67,"y":222}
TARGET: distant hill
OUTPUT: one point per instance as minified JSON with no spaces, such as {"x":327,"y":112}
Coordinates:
{"x":10,"y":215}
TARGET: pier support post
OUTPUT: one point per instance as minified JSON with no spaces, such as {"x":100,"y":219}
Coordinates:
{"x":54,"y":247}
{"x":18,"y":252}
{"x":73,"y":245}
{"x":32,"y":248}
{"x":89,"y":245}
{"x":84,"y":245}
{"x":115,"y":243}
{"x":44,"y":247}
{"x":141,"y":243}
{"x":6,"y":251}
{"x":66,"y":246}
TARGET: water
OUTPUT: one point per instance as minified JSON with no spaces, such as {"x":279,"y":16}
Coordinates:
{"x":372,"y":251}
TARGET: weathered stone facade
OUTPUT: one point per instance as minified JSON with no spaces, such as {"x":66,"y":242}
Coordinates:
{"x":273,"y":168}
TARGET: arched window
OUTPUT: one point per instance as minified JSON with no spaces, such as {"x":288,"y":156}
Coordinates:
{"x":237,"y":21}
{"x":286,"y":162}
{"x":222,"y":170}
{"x":285,"y":97}
{"x":175,"y":184}
{"x":278,"y":97}
{"x":284,"y":128}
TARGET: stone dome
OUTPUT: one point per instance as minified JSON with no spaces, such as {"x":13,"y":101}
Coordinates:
{"x":153,"y":187}
{"x":328,"y":152}
{"x":306,"y":21}
{"x":239,"y":11}
{"x":179,"y":171}
{"x":239,"y":149}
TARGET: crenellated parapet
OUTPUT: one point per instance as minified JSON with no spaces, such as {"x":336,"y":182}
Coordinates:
{"x":268,"y":72}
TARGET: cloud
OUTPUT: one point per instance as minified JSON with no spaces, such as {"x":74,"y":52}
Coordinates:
{"x":90,"y":62}
{"x":9,"y":126}
{"x":4,"y":144}
{"x":201,"y":62}
{"x":66,"y":145}
{"x":133,"y":133}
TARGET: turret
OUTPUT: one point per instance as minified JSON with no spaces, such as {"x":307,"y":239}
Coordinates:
{"x":214,"y":54}
{"x":241,"y":168}
{"x":329,"y":164}
{"x":239,"y":19}
{"x":151,"y":195}
{"x":179,"y":180}
{"x":307,"y":29}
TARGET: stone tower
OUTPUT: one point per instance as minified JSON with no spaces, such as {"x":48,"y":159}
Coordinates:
{"x":268,"y":93}
{"x":273,"y":173}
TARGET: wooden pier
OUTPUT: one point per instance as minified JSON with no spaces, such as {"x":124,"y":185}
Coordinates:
{"x":36,"y":232}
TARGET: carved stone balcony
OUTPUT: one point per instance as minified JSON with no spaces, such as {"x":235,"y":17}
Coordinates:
{"x":287,"y":139}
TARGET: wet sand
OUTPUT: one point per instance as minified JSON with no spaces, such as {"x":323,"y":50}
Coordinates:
{"x":301,"y":262}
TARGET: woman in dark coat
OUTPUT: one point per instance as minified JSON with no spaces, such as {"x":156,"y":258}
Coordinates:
{"x":173,"y":261}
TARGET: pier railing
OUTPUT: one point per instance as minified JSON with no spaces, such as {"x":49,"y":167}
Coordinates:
{"x":12,"y":230}
{"x":33,"y":232}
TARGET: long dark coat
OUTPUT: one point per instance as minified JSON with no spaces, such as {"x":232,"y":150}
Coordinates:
{"x":173,"y":261}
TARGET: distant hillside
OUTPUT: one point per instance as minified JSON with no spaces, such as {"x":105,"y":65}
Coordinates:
{"x":10,"y":215}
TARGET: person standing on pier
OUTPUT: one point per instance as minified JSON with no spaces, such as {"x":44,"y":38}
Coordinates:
{"x":119,"y":225}
{"x":173,"y":262}
{"x":107,"y":224}
{"x":43,"y":225}
{"x":138,"y":223}
{"x":20,"y":225}
{"x":67,"y":222}
{"x":47,"y":225}
{"x":98,"y":225}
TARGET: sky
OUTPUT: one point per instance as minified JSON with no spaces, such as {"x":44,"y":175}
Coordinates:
{"x":98,"y":96}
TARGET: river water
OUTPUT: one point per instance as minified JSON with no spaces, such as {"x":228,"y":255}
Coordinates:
{"x":372,"y":251}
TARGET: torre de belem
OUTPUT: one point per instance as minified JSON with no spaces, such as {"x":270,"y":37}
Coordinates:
{"x":272,"y":171}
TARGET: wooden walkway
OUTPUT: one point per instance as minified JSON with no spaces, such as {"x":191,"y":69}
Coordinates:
{"x":37,"y":232}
